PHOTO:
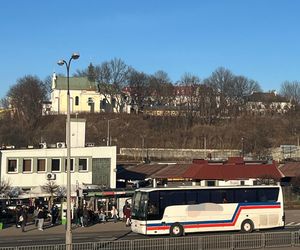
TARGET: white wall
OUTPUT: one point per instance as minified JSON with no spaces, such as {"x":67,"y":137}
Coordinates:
{"x":77,"y":133}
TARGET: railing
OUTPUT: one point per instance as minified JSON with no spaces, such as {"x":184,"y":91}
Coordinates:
{"x":222,"y":241}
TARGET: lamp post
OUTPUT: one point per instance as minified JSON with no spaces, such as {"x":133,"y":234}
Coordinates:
{"x":108,"y":131}
{"x":243,"y":147}
{"x":74,"y":56}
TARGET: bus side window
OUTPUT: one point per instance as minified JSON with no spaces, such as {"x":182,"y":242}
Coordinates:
{"x":203,"y":196}
{"x":216,"y":196}
{"x":245,"y":195}
{"x":268,"y":194}
{"x":191,"y":197}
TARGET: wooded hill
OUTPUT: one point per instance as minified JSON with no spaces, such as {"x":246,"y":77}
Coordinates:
{"x":256,"y":134}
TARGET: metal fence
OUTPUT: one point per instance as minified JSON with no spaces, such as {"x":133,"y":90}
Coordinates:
{"x":222,"y":241}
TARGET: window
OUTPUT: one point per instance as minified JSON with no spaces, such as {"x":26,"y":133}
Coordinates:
{"x":268,"y":194}
{"x":113,"y":102}
{"x":245,"y":195}
{"x":103,"y":104}
{"x":55,"y":165}
{"x":12,"y":166}
{"x":76,"y":100}
{"x":71,"y":165}
{"x":211,"y":183}
{"x":90,"y":100}
{"x":153,"y":206}
{"x":83,"y":165}
{"x":203,"y":196}
{"x":27,"y":165}
{"x":170,"y":198}
{"x":41,"y":165}
{"x":216,"y":196}
{"x":191,"y":197}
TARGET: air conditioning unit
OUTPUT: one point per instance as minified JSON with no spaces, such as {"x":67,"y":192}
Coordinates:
{"x":43,"y":145}
{"x":51,"y":176}
{"x":60,"y":145}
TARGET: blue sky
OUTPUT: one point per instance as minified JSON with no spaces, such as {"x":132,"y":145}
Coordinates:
{"x":259,"y":39}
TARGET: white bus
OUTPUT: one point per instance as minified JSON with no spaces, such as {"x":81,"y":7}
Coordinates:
{"x":181,"y":210}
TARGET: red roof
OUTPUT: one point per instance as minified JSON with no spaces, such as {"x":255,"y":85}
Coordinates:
{"x":156,"y":170}
{"x":233,"y":169}
{"x":290,"y":169}
{"x":171,"y":171}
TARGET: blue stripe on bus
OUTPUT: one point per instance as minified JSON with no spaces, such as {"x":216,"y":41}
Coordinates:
{"x":245,"y":204}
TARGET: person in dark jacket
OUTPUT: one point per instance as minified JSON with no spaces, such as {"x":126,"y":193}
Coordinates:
{"x":79,"y":213}
{"x":23,"y":217}
{"x":41,"y":217}
{"x":86,"y":215}
{"x":54,"y":214}
{"x":18,"y":214}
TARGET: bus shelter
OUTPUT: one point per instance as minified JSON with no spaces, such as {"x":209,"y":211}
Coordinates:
{"x":106,"y":198}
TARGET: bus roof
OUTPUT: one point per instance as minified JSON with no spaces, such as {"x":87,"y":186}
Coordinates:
{"x":199,"y":187}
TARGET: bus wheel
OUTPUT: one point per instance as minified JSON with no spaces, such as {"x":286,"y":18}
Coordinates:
{"x":247,"y":226}
{"x":176,"y":230}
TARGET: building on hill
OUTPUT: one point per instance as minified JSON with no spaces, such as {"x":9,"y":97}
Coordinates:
{"x":260,"y":103}
{"x":84,"y":97}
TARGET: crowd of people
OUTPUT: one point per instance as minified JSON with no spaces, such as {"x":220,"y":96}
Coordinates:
{"x":39,"y":215}
{"x":83,"y":216}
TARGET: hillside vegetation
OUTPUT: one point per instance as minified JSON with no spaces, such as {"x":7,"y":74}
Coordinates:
{"x":256,"y":134}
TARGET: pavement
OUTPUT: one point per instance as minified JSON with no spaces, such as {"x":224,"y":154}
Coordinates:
{"x":31,"y":230}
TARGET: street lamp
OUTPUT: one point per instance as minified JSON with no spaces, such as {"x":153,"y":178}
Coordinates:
{"x":74,"y":56}
{"x":108,"y":132}
{"x":243,"y":147}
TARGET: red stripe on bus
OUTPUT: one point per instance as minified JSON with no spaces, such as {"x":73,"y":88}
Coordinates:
{"x":227,"y":224}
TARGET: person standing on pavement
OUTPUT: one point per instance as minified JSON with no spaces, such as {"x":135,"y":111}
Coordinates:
{"x":41,"y":216}
{"x":127,"y":213}
{"x":18,"y":214}
{"x":102,"y":216}
{"x":35,"y":214}
{"x":114,"y":214}
{"x":79,"y":213}
{"x":54,"y":214}
{"x":85,"y":216}
{"x":23,"y":217}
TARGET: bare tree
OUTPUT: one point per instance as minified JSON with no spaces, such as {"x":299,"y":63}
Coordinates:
{"x":161,"y":89}
{"x":51,"y":188}
{"x":291,"y":90}
{"x":187,"y":97}
{"x":5,"y":187}
{"x":61,"y":192}
{"x":112,"y":78}
{"x":26,"y":98}
{"x":139,"y":89}
{"x":206,"y":104}
{"x":230,"y":89}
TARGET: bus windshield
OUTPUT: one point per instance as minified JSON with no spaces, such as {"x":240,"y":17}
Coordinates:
{"x":139,"y":205}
